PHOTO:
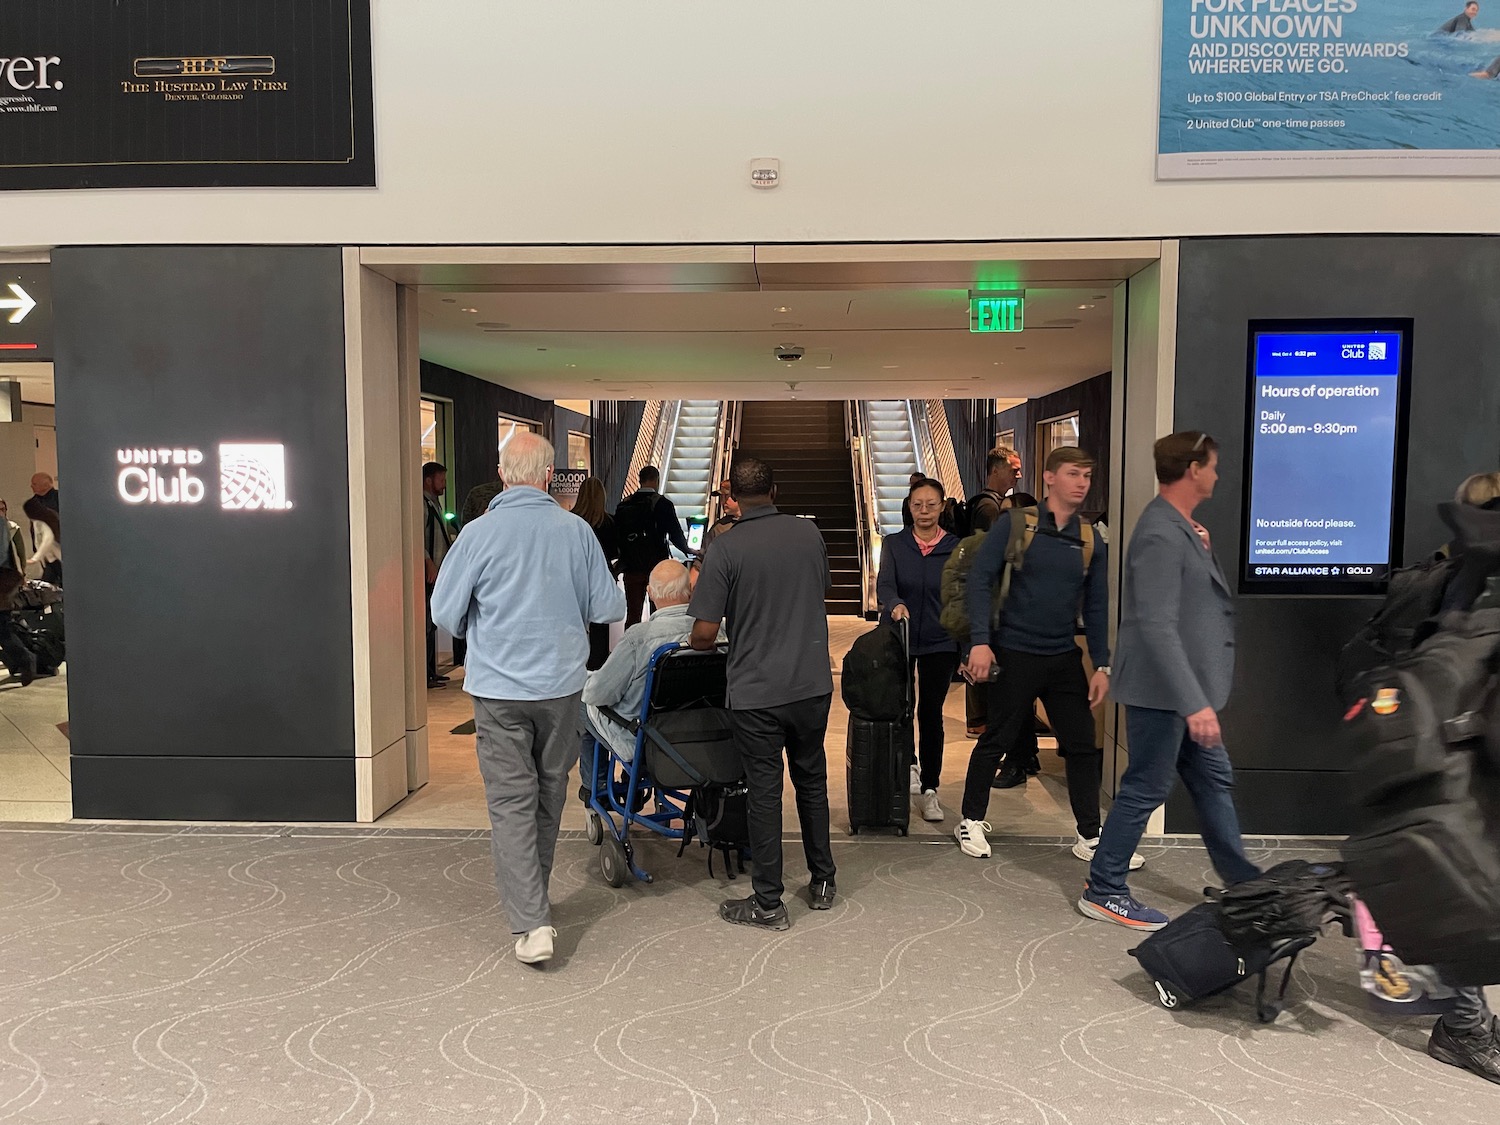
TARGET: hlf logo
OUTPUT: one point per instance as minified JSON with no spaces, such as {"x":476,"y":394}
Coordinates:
{"x":252,"y":478}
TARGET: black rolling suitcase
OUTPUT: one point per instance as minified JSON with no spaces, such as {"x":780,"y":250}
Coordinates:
{"x":880,"y":753}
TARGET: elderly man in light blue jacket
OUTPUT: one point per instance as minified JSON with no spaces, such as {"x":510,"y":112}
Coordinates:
{"x":1174,"y":664}
{"x":523,"y":585}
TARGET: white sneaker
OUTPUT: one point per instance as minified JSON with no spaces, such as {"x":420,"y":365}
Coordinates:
{"x":1084,"y":850}
{"x":971,"y":838}
{"x":535,"y":946}
{"x":916,"y":781}
{"x":931,"y":810}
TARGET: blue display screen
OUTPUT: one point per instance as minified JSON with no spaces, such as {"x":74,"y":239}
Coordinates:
{"x":1325,"y":428}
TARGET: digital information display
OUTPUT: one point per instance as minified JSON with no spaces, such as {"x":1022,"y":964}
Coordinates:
{"x":1325,"y":452}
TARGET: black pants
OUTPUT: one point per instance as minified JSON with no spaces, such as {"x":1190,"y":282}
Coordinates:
{"x":431,"y":640}
{"x":759,"y":736}
{"x":635,"y":597}
{"x":1059,"y":682}
{"x":933,"y":675}
{"x":975,"y":711}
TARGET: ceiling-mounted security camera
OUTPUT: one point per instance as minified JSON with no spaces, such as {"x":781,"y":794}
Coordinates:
{"x":789,"y":353}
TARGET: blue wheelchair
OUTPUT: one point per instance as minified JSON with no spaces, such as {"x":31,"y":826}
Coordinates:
{"x":683,"y":749}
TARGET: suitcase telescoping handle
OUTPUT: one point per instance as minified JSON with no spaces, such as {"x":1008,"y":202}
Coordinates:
{"x":905,"y":631}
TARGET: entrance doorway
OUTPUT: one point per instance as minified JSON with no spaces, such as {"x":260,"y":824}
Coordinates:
{"x":655,"y":325}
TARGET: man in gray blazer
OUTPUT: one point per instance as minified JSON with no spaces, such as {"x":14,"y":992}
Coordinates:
{"x":1174,"y":664}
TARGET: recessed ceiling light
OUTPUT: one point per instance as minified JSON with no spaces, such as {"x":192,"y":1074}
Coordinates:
{"x":890,"y":366}
{"x":572,"y":365}
{"x":469,"y":310}
{"x":450,"y":300}
{"x":783,"y":309}
{"x":825,"y":367}
{"x":541,"y":349}
{"x":1020,"y":347}
{"x":1085,"y":306}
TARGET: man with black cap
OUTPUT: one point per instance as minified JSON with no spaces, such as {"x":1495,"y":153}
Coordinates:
{"x":729,"y":513}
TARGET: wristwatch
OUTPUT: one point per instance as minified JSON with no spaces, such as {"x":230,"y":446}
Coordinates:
{"x":1105,"y":669}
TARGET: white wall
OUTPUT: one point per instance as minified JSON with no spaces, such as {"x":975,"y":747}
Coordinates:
{"x":610,"y":121}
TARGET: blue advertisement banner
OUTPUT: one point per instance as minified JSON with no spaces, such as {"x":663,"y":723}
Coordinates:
{"x":1288,"y":88}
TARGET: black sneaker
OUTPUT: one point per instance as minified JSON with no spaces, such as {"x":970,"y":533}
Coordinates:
{"x":28,"y":673}
{"x":749,"y":912}
{"x":1476,"y":1051}
{"x":822,"y":894}
{"x":1033,"y":767}
{"x":1009,"y":777}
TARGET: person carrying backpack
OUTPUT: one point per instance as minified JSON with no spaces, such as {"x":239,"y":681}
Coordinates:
{"x":1468,"y":1035}
{"x":1057,"y":567}
{"x":645,"y":522}
{"x":910,"y":589}
{"x":1002,"y":468}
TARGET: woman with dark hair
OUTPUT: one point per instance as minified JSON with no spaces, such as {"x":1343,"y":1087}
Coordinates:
{"x":46,"y":531}
{"x":910,"y":588}
{"x":589,"y":507}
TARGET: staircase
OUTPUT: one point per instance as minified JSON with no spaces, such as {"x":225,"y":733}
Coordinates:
{"x":893,"y":459}
{"x":690,"y":460}
{"x":803,"y":442}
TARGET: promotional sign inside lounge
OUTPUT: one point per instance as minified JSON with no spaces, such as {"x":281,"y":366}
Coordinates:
{"x":185,"y":93}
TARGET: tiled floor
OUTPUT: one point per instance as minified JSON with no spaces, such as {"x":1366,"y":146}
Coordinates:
{"x":454,"y":795}
{"x":34,"y":772}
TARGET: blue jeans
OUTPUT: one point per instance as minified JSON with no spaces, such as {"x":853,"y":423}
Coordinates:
{"x":1160,"y":749}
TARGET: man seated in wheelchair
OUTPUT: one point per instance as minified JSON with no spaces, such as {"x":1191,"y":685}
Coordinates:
{"x":620,"y":684}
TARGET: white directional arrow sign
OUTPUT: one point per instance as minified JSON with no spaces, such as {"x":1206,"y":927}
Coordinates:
{"x":20,"y":302}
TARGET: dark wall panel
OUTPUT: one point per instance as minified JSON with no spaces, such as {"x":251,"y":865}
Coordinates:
{"x":194,"y":631}
{"x":1283,"y":724}
{"x":617,"y":425}
{"x":971,"y":423}
{"x":1093,"y":401}
{"x":477,"y":406}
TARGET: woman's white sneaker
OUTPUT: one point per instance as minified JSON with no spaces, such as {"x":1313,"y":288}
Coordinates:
{"x":931,"y":810}
{"x":971,"y":838}
{"x":1084,"y":850}
{"x":916,"y":781}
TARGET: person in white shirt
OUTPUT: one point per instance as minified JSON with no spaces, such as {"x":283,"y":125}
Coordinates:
{"x":46,"y":532}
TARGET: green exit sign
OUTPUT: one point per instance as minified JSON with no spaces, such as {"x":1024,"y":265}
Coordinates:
{"x":997,"y":314}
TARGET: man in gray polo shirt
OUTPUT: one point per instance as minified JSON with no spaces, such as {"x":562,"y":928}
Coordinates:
{"x":767,"y":583}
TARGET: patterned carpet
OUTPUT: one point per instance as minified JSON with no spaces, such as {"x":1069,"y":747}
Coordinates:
{"x":344,"y":976}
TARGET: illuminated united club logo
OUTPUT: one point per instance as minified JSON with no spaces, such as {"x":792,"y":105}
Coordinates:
{"x":252,"y":477}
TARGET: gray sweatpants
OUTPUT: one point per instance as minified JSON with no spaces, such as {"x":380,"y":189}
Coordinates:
{"x":525,"y":751}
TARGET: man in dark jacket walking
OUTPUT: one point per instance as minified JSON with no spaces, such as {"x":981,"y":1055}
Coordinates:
{"x":910,"y":588}
{"x":646,"y":521}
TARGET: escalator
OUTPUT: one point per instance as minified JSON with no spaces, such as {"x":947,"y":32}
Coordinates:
{"x":688,"y":466}
{"x":804,"y":443}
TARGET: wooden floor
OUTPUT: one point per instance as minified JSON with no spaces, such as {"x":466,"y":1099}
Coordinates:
{"x":454,"y":797}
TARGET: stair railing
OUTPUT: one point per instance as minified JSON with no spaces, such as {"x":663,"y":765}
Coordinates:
{"x":866,"y":501}
{"x":726,"y":442}
{"x":671,"y":415}
{"x":944,"y":463}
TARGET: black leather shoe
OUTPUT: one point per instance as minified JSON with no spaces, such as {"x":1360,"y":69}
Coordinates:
{"x":749,"y":912}
{"x":1008,"y":778}
{"x":822,"y":894}
{"x":28,"y":673}
{"x":1033,"y":767}
{"x":1476,"y":1051}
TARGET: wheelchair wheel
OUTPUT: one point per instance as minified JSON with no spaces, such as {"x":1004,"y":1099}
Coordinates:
{"x":612,"y":863}
{"x":595,"y":829}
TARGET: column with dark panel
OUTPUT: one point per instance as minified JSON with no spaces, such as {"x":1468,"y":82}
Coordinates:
{"x":204,"y":462}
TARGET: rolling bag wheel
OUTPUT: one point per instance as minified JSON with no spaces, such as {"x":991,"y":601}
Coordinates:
{"x":903,"y":831}
{"x":612,"y":864}
{"x":595,"y":829}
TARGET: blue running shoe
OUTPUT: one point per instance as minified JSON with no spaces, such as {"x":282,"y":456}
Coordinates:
{"x":1122,"y":910}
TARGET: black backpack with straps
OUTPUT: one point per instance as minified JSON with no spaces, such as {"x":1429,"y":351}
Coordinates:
{"x":641,"y":545}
